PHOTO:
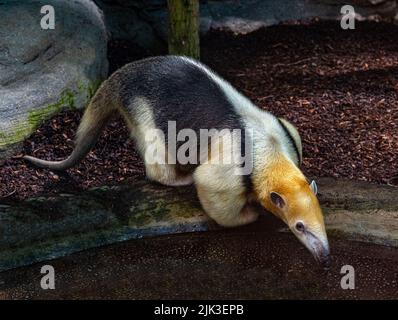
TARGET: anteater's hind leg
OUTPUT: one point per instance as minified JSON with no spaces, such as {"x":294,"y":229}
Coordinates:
{"x":157,"y":162}
{"x":151,"y":145}
{"x":154,"y":154}
{"x":158,"y":169}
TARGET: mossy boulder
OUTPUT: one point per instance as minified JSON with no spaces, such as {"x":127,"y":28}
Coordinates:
{"x":44,"y":71}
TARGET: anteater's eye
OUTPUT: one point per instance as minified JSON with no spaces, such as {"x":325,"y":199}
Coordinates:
{"x":300,"y":227}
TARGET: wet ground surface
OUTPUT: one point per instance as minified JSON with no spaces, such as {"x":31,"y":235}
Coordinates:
{"x":253,"y":262}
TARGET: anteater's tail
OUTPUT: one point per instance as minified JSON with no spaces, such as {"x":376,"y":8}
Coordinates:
{"x":95,"y":117}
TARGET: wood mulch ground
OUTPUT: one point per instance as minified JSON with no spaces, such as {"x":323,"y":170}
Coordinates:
{"x":339,"y":87}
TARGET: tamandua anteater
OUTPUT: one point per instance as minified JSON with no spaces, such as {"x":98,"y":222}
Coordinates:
{"x":152,"y":93}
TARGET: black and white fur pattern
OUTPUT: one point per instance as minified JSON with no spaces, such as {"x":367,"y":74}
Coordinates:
{"x":151,"y":92}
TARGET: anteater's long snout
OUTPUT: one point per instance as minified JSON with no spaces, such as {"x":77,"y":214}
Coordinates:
{"x":319,"y":247}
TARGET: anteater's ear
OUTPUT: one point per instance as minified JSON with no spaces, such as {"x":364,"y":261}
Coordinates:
{"x":314,"y":187}
{"x":277,"y":199}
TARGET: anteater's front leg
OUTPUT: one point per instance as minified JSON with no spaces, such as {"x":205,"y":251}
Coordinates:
{"x":223,"y":196}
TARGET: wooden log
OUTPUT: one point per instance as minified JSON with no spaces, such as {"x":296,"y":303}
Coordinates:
{"x":44,"y":228}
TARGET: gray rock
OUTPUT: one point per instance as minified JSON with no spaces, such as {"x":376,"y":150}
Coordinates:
{"x":43,"y":71}
{"x":125,"y":21}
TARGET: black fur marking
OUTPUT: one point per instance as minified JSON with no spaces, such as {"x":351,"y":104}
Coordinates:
{"x":247,"y":178}
{"x":180,"y":91}
{"x":291,"y":140}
